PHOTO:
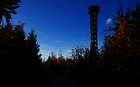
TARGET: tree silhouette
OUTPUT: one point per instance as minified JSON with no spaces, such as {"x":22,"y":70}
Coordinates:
{"x":8,"y":8}
{"x":134,"y":29}
{"x":33,"y":49}
{"x":122,"y":49}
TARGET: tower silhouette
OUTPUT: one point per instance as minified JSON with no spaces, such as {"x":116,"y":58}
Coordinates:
{"x":93,"y":12}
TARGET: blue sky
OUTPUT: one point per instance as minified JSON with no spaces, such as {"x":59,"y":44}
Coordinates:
{"x":64,"y":24}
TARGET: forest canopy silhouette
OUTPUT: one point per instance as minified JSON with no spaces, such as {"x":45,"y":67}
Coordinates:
{"x":118,"y":59}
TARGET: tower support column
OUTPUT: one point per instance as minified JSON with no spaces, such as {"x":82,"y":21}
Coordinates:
{"x":93,"y":13}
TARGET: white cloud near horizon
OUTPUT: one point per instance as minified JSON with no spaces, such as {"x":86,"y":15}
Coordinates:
{"x":108,"y":21}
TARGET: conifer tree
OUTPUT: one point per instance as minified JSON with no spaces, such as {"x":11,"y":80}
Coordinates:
{"x":33,"y":48}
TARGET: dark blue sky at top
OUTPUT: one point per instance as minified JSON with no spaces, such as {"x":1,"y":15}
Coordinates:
{"x":64,"y":24}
